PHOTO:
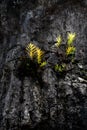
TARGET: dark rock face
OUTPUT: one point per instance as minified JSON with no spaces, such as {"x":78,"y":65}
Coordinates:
{"x":48,"y":101}
{"x":85,"y":2}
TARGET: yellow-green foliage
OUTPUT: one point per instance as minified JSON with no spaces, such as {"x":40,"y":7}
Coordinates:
{"x":70,"y":38}
{"x":35,"y":52}
{"x":37,"y":55}
{"x":58,"y":41}
{"x":43,"y":64}
{"x":70,"y":50}
{"x":60,"y":68}
{"x":31,"y":50}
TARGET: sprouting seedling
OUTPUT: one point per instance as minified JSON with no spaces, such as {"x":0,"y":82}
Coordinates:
{"x":70,"y":38}
{"x":58,"y":41}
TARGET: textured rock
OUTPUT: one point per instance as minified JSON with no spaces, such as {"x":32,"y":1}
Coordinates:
{"x":42,"y":100}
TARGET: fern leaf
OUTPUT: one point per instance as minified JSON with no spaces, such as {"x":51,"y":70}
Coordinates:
{"x":31,"y":50}
{"x":43,"y":64}
{"x":70,"y":38}
{"x":70,"y":50}
{"x":39,"y":55}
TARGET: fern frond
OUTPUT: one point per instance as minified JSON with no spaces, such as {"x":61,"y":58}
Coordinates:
{"x":43,"y":64}
{"x":31,"y":50}
{"x":70,"y":38}
{"x":60,"y":68}
{"x":70,"y":50}
{"x":39,"y":55}
{"x":34,"y":52}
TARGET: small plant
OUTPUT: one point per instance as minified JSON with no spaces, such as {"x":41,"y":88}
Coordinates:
{"x":66,"y":57}
{"x":35,"y":53}
{"x":68,"y":52}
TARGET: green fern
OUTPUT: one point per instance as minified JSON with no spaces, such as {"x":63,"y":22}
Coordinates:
{"x":43,"y":64}
{"x":60,"y":68}
{"x":70,"y":38}
{"x":35,"y":52}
